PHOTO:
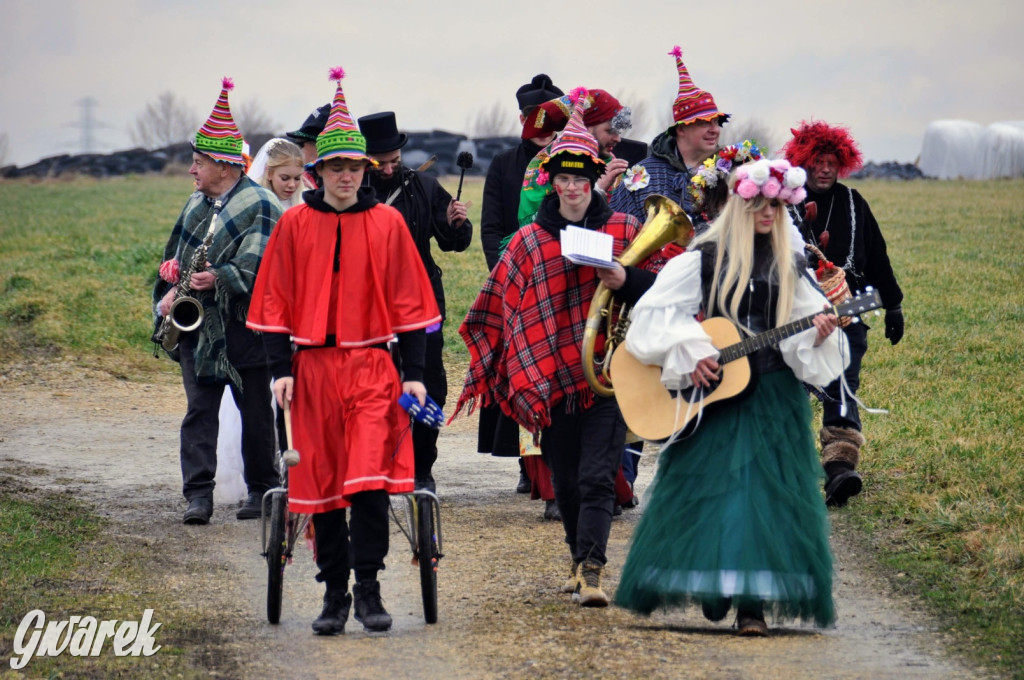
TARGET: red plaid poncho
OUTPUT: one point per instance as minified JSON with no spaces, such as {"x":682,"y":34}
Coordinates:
{"x":525,"y":329}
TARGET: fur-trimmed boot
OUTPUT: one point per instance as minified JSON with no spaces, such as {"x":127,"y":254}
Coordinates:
{"x":840,"y":453}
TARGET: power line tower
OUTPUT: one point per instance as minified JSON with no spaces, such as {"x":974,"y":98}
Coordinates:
{"x":88,"y":124}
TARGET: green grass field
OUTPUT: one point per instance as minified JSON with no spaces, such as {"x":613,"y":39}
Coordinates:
{"x":943,"y":504}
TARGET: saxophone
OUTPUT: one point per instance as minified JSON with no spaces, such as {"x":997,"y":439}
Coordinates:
{"x":186,"y":312}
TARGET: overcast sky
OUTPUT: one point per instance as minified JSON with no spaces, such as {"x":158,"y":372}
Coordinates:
{"x":885,"y":68}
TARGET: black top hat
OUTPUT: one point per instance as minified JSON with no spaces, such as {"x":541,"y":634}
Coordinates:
{"x":313,"y":126}
{"x":381,"y":132}
{"x":537,"y":91}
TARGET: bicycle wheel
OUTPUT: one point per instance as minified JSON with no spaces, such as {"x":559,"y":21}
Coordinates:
{"x":427,"y":549}
{"x":276,"y":556}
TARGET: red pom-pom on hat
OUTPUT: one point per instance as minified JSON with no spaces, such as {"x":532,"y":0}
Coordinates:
{"x":676,"y":52}
{"x":227,"y":83}
{"x":337,"y":73}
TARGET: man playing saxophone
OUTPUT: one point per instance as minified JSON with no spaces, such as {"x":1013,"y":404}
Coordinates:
{"x":221,"y":351}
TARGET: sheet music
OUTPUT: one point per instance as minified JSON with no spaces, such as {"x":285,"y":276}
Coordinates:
{"x":587,"y":247}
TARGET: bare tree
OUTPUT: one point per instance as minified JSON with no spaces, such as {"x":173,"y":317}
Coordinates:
{"x":495,"y":121}
{"x":753,"y":129}
{"x":253,"y":120}
{"x":4,"y":149}
{"x":168,"y":120}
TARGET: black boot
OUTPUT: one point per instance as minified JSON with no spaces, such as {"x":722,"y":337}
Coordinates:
{"x":715,"y":608}
{"x":199,"y":510}
{"x":842,"y":484}
{"x":369,"y":609}
{"x":332,"y":619}
{"x":252,"y":508}
{"x":524,"y":485}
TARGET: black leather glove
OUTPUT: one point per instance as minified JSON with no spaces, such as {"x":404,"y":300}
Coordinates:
{"x":894,"y":324}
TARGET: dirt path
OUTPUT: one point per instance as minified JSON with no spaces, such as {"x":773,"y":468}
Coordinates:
{"x":115,"y":444}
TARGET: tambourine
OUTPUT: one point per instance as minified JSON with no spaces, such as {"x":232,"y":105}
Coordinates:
{"x":429,"y":414}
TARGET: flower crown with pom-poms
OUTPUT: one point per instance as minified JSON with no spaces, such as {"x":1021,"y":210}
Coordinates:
{"x":692,"y":103}
{"x":340,"y":137}
{"x":815,"y":138}
{"x":772,"y":179}
{"x":717,"y":168}
{"x":219,"y":137}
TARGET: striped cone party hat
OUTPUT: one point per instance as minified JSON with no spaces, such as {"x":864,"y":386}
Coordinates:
{"x":341,"y":137}
{"x":576,"y":151}
{"x":575,"y":138}
{"x":219,"y":137}
{"x":692,"y":103}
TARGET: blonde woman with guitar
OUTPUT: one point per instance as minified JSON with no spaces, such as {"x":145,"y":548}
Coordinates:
{"x":735,"y":517}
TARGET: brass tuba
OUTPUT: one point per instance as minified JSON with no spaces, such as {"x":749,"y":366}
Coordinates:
{"x":666,"y":222}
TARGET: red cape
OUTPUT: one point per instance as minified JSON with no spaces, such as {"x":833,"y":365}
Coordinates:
{"x":383,"y":288}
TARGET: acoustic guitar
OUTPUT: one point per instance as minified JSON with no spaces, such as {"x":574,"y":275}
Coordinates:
{"x":655,"y":413}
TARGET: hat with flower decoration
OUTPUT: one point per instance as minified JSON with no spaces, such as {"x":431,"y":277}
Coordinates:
{"x":714,"y":172}
{"x":692,"y":103}
{"x":775,"y":179}
{"x":576,"y":151}
{"x":219,"y":137}
{"x":340,"y":137}
{"x":817,"y":138}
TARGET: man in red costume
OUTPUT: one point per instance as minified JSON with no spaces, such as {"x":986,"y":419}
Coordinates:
{"x":342,"y":277}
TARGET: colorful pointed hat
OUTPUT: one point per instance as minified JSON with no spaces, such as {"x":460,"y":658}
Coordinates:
{"x":219,"y":137}
{"x":692,"y":103}
{"x":341,"y":137}
{"x":576,"y":151}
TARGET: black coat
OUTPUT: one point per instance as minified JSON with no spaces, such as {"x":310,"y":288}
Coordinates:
{"x":870,"y":260}
{"x":423,"y":203}
{"x":499,"y":214}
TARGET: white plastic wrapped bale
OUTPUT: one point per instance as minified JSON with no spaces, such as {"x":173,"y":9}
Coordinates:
{"x":954,"y":149}
{"x":1004,"y":150}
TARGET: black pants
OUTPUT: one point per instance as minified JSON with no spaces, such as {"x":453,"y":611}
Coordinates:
{"x":497,"y":434}
{"x":360,"y":544}
{"x":857,"y":335}
{"x":202,"y":422}
{"x":424,"y":439}
{"x":584,"y":451}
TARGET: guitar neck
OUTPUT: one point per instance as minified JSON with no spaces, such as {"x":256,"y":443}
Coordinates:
{"x":766,"y":339}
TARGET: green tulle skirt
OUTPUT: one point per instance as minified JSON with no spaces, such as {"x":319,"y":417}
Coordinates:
{"x":735,"y":511}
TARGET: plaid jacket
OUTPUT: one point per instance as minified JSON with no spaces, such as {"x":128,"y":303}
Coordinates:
{"x":525,"y":329}
{"x":669,"y":177}
{"x":247,"y":217}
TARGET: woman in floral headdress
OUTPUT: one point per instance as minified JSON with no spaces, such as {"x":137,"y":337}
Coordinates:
{"x":735,"y":516}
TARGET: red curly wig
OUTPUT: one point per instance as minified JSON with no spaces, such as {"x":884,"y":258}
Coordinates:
{"x":815,"y":138}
